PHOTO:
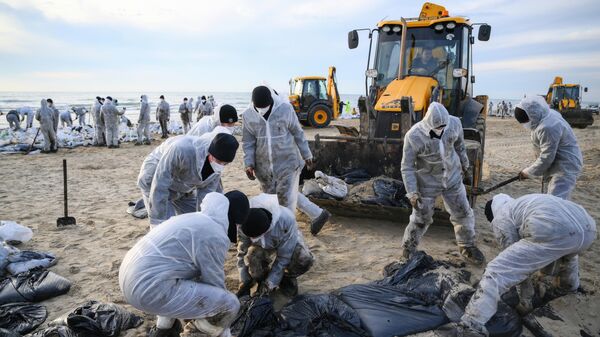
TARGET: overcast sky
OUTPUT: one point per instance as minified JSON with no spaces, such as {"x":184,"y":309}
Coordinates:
{"x":227,"y":45}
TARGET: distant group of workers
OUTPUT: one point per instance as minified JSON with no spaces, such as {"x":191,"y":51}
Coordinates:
{"x":503,"y":109}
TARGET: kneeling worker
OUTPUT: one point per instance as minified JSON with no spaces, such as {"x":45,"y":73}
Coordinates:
{"x":176,"y":271}
{"x":271,"y":229}
{"x":225,"y":116}
{"x":534,"y":230}
{"x":433,"y":162}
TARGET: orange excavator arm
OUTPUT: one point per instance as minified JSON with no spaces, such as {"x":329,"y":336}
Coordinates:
{"x":332,"y":91}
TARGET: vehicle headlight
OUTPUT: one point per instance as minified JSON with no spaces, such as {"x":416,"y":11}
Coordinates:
{"x":451,"y":25}
{"x":439,"y":27}
{"x":386,"y":29}
{"x":396,"y":29}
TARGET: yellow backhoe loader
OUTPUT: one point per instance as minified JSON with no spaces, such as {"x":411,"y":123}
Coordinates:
{"x":415,"y":61}
{"x":566,"y":99}
{"x":315,"y":99}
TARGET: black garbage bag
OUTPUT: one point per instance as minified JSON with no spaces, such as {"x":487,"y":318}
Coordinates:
{"x":8,"y":333}
{"x":32,"y":286}
{"x":386,"y":310}
{"x":355,"y":176}
{"x":321,"y":315}
{"x":257,"y":317}
{"x":56,"y":331}
{"x":22,"y":317}
{"x":99,"y":319}
{"x":505,"y":323}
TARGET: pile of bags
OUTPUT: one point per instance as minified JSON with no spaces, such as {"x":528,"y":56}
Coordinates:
{"x":358,"y":186}
{"x":416,"y":296}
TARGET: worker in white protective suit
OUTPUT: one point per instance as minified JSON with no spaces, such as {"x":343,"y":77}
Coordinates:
{"x":433,"y":163}
{"x":80,"y":112}
{"x":178,"y":173}
{"x":225,"y":115}
{"x":55,"y":112}
{"x":27,"y":111}
{"x":271,"y":231}
{"x":559,"y":161}
{"x":112,"y":116}
{"x":275,"y":151}
{"x":99,"y":127}
{"x":205,"y":108}
{"x":65,"y":119}
{"x":143,"y":128}
{"x":14,"y":120}
{"x":163,"y":115}
{"x":184,"y":114}
{"x":176,"y":271}
{"x":534,"y":231}
{"x":45,"y":116}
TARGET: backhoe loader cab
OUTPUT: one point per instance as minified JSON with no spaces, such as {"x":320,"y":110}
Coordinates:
{"x":315,"y":99}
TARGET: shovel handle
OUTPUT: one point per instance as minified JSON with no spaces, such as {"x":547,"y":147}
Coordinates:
{"x":65,"y":187}
{"x":495,"y":187}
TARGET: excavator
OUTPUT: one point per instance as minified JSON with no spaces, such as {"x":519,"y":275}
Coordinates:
{"x":315,"y":99}
{"x":412,"y":62}
{"x":566,"y":99}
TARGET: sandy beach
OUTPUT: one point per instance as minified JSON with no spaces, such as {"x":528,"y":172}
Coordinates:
{"x":348,"y":250}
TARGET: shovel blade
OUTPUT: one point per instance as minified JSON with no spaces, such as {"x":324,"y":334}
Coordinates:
{"x":65,"y":221}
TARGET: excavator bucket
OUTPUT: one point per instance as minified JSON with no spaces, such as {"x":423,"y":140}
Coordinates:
{"x":578,"y":118}
{"x":337,"y":155}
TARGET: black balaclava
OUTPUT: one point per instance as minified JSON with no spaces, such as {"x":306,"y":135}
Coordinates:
{"x":223,"y":147}
{"x":257,"y":223}
{"x":261,"y":97}
{"x":239,"y":207}
{"x":49,"y":100}
{"x":228,"y":114}
{"x":162,"y":97}
{"x":521,"y":116}
{"x":488,"y":211}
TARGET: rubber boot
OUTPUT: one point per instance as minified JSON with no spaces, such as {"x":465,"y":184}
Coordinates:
{"x":318,"y":223}
{"x":472,"y":255}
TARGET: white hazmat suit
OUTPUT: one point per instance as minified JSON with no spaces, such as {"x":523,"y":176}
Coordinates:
{"x":431,"y":167}
{"x":163,"y":115}
{"x":277,"y":149}
{"x":112,"y":116}
{"x":283,"y":239}
{"x":30,"y":114}
{"x":534,"y":230}
{"x":65,"y":118}
{"x":559,"y":161}
{"x":143,"y":129}
{"x":45,"y":116}
{"x":171,"y":175}
{"x":177,"y":270}
{"x":80,"y":112}
{"x":99,"y":127}
{"x":14,"y":120}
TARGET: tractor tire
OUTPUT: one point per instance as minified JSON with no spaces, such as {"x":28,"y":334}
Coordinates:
{"x":319,"y":116}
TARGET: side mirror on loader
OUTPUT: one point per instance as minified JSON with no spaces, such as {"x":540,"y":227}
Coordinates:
{"x":585,"y":89}
{"x":484,"y":32}
{"x":352,"y":39}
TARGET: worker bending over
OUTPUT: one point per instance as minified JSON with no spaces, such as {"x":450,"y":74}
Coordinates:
{"x":271,"y":230}
{"x":173,"y":175}
{"x":433,"y":164}
{"x":225,"y":115}
{"x":534,"y":231}
{"x":559,"y":160}
{"x":176,"y":271}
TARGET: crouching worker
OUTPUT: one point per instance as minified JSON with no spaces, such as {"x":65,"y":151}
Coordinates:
{"x":178,"y":170}
{"x":270,"y":230}
{"x":177,"y":271}
{"x":534,"y":230}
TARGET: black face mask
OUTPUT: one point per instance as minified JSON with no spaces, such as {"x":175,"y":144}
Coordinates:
{"x":488,"y":211}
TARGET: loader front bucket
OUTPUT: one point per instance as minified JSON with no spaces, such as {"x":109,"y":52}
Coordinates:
{"x":578,"y":118}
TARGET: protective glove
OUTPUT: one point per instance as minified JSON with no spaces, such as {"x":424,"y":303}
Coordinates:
{"x":244,"y":289}
{"x":415,"y":200}
{"x":310,"y":164}
{"x":523,"y":175}
{"x":264,"y":289}
{"x":250,"y":173}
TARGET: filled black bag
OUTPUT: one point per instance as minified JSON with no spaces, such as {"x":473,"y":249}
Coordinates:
{"x":321,"y":315}
{"x":256,"y":317}
{"x":386,"y":311}
{"x":56,"y":331}
{"x":99,"y":319}
{"x":22,"y":317}
{"x":32,"y":286}
{"x":8,"y":333}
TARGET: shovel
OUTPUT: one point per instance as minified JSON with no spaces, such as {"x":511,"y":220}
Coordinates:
{"x":34,"y":139}
{"x":66,"y":220}
{"x":495,"y":187}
